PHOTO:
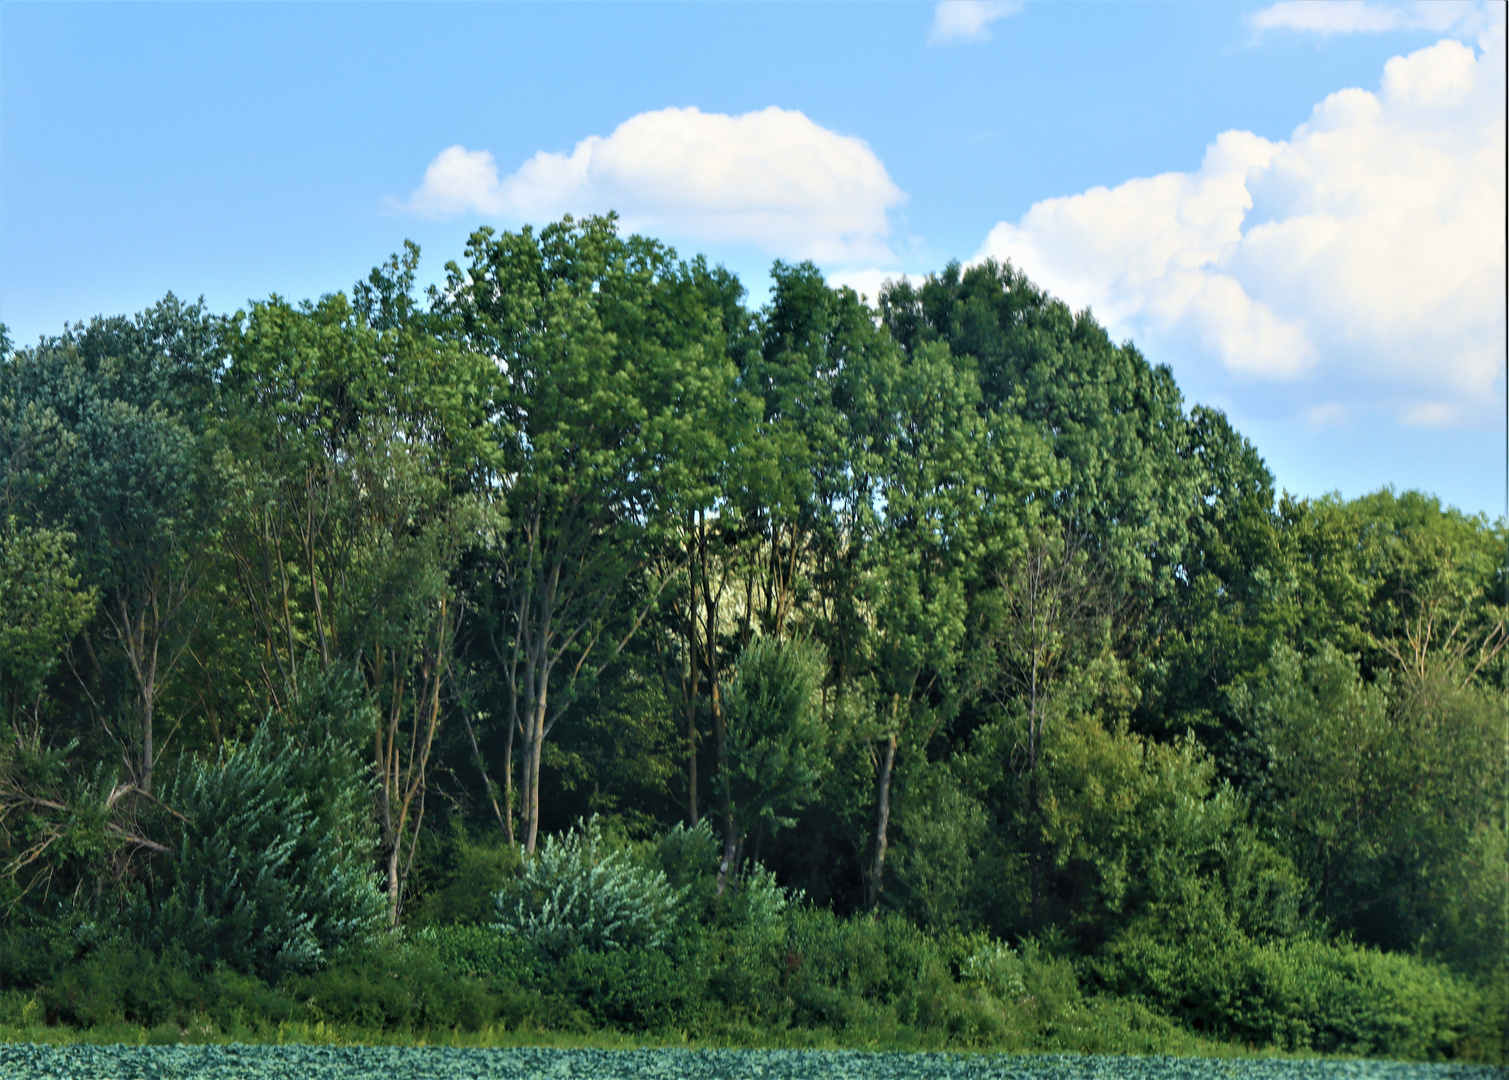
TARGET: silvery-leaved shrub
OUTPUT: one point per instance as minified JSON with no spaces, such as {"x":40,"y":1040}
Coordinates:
{"x":997,"y":967}
{"x":584,"y":891}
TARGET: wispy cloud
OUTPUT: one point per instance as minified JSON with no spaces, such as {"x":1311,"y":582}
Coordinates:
{"x":1371,"y":17}
{"x":956,"y":22}
{"x":773,"y":178}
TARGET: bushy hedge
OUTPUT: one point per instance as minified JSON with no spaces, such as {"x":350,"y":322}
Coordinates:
{"x":1306,"y":994}
{"x":757,"y":966}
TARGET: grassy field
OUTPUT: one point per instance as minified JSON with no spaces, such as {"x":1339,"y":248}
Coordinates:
{"x":31,"y":1061}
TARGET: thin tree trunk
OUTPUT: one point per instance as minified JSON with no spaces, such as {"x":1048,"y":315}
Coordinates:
{"x":147,"y":752}
{"x":729,"y":865}
{"x":536,"y":736}
{"x":487,"y":784}
{"x":393,"y":884}
{"x":691,"y":730}
{"x":694,"y":678}
{"x":508,"y":782}
{"x":882,"y":820}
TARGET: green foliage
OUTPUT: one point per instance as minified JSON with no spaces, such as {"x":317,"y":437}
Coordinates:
{"x":1115,"y":422}
{"x":42,"y":606}
{"x":777,"y":741}
{"x":395,"y":989}
{"x":1384,"y":794}
{"x":1137,"y":827}
{"x":583,"y":890}
{"x":463,"y":877}
{"x":940,"y":870}
{"x":1305,"y":995}
{"x":128,"y":984}
{"x":272,"y":871}
{"x":948,"y":613}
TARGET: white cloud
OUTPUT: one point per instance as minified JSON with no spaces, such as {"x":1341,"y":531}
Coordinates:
{"x":772,"y":178}
{"x":1364,"y":16}
{"x":458,"y":181}
{"x":956,"y":21}
{"x":1430,"y":414}
{"x":1363,"y":256}
{"x":866,"y":281}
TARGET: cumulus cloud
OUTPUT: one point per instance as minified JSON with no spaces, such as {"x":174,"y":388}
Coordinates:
{"x":1363,"y":256}
{"x":1367,"y":16}
{"x":773,"y":178}
{"x":959,"y":21}
{"x":867,"y":281}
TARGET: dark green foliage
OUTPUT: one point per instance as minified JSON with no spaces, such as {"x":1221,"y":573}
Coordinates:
{"x":924,"y":677}
{"x":1384,"y":795}
{"x":42,"y":606}
{"x":272,"y":873}
{"x":123,"y":983}
{"x":1304,"y":995}
{"x":395,"y":989}
{"x":777,"y":742}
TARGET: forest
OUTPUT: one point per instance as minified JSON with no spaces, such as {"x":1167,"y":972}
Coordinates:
{"x":571,"y":651}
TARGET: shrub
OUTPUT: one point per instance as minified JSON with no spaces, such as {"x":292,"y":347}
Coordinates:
{"x":126,"y":983}
{"x":458,"y":875}
{"x":273,"y":871}
{"x":1302,"y":994}
{"x":394,"y":986}
{"x":777,"y":742}
{"x":632,"y":989}
{"x":584,"y":891}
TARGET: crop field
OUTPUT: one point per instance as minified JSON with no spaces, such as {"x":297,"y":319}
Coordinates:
{"x":21,"y":1061}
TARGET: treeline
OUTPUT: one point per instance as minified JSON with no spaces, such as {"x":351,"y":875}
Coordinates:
{"x":572,"y":632}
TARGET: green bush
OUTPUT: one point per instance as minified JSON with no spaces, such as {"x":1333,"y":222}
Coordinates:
{"x":632,"y":989}
{"x":585,"y":891}
{"x":272,"y":873}
{"x":1303,"y":994}
{"x":396,"y":987}
{"x":457,"y":876}
{"x":126,"y":983}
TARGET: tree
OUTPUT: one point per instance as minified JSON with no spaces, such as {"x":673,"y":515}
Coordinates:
{"x":777,"y":749}
{"x":613,"y":358}
{"x":1386,"y":793}
{"x":42,"y":606}
{"x":107,"y":421}
{"x":1115,"y":422}
{"x":353,"y":451}
{"x":271,"y":870}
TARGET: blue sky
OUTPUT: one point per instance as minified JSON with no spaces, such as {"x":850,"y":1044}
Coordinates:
{"x":1298,"y":207}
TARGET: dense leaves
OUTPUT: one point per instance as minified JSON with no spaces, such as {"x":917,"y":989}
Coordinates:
{"x":600,"y":652}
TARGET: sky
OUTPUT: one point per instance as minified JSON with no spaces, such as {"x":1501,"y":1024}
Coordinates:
{"x":1298,"y":207}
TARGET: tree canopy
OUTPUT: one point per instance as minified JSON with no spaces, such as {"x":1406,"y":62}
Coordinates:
{"x":948,"y":610}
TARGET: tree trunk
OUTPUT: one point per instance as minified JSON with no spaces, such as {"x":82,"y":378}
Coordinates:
{"x":394,"y":885}
{"x":882,"y":821}
{"x":147,"y":752}
{"x":508,"y":781}
{"x":535,"y":735}
{"x":730,"y":862}
{"x":729,"y":865}
{"x":691,"y":748}
{"x":487,"y":783}
{"x":694,"y":678}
